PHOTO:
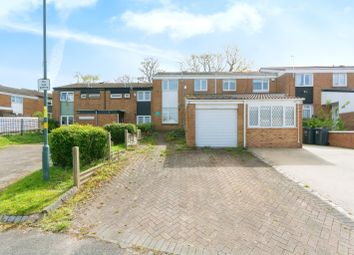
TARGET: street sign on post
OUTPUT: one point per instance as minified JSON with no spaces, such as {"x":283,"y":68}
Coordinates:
{"x":43,"y":84}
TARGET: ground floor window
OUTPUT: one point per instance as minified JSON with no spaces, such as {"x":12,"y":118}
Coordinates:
{"x":66,"y":119}
{"x":267,"y":116}
{"x":170,"y":115}
{"x":307,"y":111}
{"x":142,"y":119}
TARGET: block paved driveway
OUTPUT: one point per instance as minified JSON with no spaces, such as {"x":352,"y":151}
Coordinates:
{"x":212,"y":202}
{"x":17,"y":161}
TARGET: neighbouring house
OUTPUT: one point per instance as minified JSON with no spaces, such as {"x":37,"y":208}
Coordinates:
{"x":227,"y":109}
{"x":102,"y":103}
{"x":21,"y":102}
{"x":319,"y":85}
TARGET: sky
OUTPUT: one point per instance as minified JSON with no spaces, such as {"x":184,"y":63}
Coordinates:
{"x":111,"y":37}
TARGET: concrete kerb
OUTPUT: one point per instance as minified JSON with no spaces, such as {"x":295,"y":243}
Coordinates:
{"x":35,"y":217}
{"x":342,"y":213}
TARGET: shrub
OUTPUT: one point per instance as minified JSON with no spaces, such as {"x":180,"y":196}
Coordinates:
{"x":177,"y":135}
{"x":145,"y":128}
{"x":92,"y":142}
{"x":52,"y":124}
{"x":117,"y":131}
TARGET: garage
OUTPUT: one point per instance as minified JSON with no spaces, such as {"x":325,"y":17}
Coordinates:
{"x":216,"y":125}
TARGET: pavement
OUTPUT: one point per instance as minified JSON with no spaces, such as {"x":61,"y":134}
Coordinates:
{"x":17,"y":161}
{"x":19,"y":242}
{"x":328,"y":171}
{"x":207,"y":201}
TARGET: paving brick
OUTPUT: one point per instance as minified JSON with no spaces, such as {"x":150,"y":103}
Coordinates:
{"x":213,"y":201}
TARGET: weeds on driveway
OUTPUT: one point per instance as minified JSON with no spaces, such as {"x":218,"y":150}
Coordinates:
{"x":28,"y":138}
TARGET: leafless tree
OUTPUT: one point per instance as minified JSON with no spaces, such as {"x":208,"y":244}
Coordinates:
{"x":123,"y":79}
{"x":234,"y":61}
{"x":149,"y":67}
{"x":230,"y":60}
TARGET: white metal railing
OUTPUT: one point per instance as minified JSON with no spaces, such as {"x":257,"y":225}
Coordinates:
{"x":10,"y":125}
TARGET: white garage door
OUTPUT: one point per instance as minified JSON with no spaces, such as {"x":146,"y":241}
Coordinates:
{"x":216,"y":127}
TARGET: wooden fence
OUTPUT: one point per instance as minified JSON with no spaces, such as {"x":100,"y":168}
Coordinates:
{"x":15,"y":125}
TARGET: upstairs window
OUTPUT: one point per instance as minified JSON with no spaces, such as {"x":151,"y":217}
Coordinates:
{"x":229,"y":85}
{"x":127,"y":95}
{"x":200,"y":85}
{"x":116,"y":95}
{"x":169,"y":85}
{"x":94,"y":95}
{"x":304,"y":80}
{"x":339,"y":80}
{"x":261,"y":86}
{"x":66,"y":96}
{"x":17,"y":99}
{"x":144,"y":96}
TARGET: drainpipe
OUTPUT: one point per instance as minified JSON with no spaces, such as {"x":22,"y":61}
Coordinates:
{"x":244,"y":125}
{"x":96,"y":118}
{"x":298,"y":123}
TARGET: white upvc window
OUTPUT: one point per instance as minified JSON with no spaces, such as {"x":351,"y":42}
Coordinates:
{"x":304,"y":80}
{"x":170,"y":115}
{"x":271,"y":116}
{"x":86,"y":117}
{"x":116,"y":95}
{"x":94,"y":95}
{"x":66,"y":120}
{"x":200,"y":85}
{"x":127,"y":95}
{"x":339,"y":80}
{"x":229,"y":85}
{"x":307,"y":111}
{"x":170,"y":102}
{"x":142,"y":119}
{"x":16,"y":99}
{"x":66,"y":96}
{"x":261,"y":86}
{"x":144,"y":96}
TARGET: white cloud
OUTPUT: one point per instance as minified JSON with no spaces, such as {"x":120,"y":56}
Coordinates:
{"x":181,"y":24}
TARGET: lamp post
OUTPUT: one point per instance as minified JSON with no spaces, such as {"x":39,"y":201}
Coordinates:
{"x":44,"y":85}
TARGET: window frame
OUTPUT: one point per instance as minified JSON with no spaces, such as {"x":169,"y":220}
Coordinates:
{"x":310,"y":108}
{"x":67,"y":96}
{"x":168,"y":82}
{"x":196,"y":89}
{"x":126,"y":95}
{"x":93,"y":95}
{"x":146,"y":94}
{"x":227,"y":82}
{"x":167,"y":110}
{"x":304,"y":74}
{"x":145,"y":117}
{"x":340,"y":85}
{"x":284,"y":107}
{"x":17,"y":99}
{"x":262,"y":90}
{"x":67,"y":120}
{"x":116,"y":96}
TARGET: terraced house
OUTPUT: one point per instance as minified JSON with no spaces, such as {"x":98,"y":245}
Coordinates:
{"x":252,"y":109}
{"x":21,"y":102}
{"x":102,"y":103}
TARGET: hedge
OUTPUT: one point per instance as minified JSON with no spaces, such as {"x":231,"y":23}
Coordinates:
{"x":92,"y":142}
{"x":117,"y":131}
{"x":146,"y":127}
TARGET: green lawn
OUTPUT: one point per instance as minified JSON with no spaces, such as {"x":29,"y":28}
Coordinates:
{"x":118,"y":147}
{"x":28,"y":138}
{"x":31,"y":194}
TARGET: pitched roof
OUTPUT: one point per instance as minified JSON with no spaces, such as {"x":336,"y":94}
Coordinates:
{"x":212,"y":75}
{"x":107,"y":85}
{"x":253,"y":96}
{"x":22,"y":92}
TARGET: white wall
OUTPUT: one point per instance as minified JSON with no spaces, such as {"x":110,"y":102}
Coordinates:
{"x":339,"y":97}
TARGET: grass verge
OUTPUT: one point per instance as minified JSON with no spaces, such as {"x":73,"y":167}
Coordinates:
{"x":28,"y":138}
{"x":60,"y":219}
{"x":118,"y":147}
{"x":31,"y":194}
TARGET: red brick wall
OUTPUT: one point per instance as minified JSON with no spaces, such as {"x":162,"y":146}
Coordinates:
{"x":30,"y":106}
{"x":276,"y":137}
{"x":341,"y":139}
{"x":5,"y":100}
{"x":348,"y":119}
{"x":190,"y":125}
{"x":56,"y":105}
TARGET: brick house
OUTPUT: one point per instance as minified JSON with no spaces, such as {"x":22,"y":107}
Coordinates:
{"x":227,"y":109}
{"x":319,"y":85}
{"x":102,"y":103}
{"x":21,"y":102}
